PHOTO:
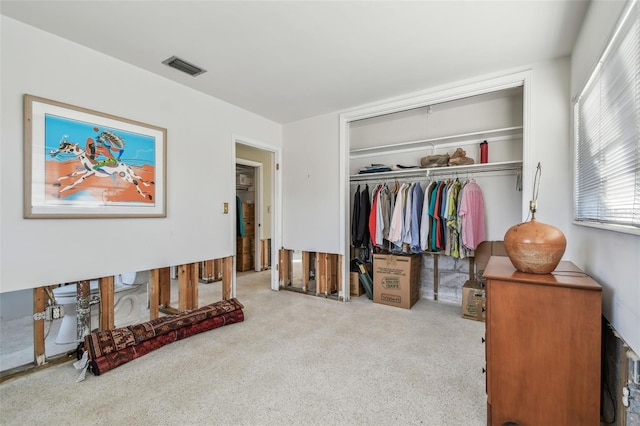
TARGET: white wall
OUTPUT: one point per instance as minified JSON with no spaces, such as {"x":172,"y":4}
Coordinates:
{"x":312,"y":145}
{"x":612,"y":258}
{"x":310,"y":185}
{"x":200,"y":165}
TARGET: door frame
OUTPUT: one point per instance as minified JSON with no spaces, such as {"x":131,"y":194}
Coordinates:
{"x":258,"y":187}
{"x":275,"y":202}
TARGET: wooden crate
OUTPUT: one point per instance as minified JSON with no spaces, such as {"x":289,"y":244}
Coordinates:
{"x":249,"y":227}
{"x":248,"y":211}
{"x":244,"y":245}
{"x":244,"y":262}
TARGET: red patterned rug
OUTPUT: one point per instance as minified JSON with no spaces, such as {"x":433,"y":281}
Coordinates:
{"x":112,"y":348}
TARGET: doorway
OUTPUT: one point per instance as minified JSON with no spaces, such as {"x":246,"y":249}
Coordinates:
{"x":249,"y":194}
{"x":257,"y":186}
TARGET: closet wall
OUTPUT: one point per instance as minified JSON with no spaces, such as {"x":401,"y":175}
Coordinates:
{"x":404,"y":137}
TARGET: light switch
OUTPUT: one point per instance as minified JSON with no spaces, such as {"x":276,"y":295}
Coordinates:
{"x":225,"y":208}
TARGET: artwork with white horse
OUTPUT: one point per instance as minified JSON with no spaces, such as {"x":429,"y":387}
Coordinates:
{"x":89,"y":163}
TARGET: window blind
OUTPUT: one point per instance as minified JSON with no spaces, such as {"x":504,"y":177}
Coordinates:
{"x":607,"y":133}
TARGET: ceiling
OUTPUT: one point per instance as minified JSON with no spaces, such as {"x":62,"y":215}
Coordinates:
{"x":289,"y":60}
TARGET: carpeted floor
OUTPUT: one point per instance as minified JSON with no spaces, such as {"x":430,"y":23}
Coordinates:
{"x":296,"y":359}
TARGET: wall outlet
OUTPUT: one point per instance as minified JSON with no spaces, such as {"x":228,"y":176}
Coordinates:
{"x":53,"y":312}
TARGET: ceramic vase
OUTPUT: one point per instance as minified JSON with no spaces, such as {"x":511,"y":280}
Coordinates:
{"x":535,"y":247}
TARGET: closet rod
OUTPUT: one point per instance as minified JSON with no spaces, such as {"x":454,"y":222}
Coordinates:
{"x":426,"y":173}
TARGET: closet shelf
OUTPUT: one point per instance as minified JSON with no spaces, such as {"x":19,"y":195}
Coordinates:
{"x":466,"y":138}
{"x":436,"y":171}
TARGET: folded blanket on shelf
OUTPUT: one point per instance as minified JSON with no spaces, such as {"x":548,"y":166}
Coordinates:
{"x":112,"y":348}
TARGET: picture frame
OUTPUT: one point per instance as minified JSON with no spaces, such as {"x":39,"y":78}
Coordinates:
{"x":80,"y":163}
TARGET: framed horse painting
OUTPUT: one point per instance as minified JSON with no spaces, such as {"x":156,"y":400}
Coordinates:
{"x":80,"y":163}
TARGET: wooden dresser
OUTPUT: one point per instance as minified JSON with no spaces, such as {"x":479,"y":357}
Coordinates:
{"x":542,"y":346}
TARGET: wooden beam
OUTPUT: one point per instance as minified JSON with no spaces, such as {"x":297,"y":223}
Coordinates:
{"x":284,"y":270}
{"x":264,"y":254}
{"x":227,"y":277}
{"x":207,"y":271}
{"x":217,"y":269}
{"x":194,"y":282}
{"x":106,"y":303}
{"x":306,"y":265}
{"x":183,"y":284}
{"x":39,"y":304}
{"x":322,"y":274}
{"x":165,"y":286}
{"x":187,"y":286}
{"x":154,"y":294}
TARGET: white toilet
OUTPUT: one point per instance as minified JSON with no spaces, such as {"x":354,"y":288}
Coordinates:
{"x":129,"y":296}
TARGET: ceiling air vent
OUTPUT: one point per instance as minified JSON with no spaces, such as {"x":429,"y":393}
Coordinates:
{"x":184,"y":66}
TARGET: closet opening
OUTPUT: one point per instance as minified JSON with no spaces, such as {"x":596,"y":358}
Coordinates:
{"x":469,"y":139}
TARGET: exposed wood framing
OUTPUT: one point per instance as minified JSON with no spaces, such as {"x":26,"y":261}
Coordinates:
{"x":106,"y":303}
{"x":264,"y":254}
{"x":227,"y":277}
{"x":284,"y":269}
{"x":306,"y":270}
{"x":39,"y":304}
{"x":154,"y":294}
{"x":211,"y":271}
{"x":165,"y":286}
{"x":327,"y":274}
{"x":206,"y":271}
{"x":160,"y":293}
{"x":187,"y":287}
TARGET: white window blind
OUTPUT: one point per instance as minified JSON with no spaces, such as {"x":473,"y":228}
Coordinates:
{"x":607,"y":133}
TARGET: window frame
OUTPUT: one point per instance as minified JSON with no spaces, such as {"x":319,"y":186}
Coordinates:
{"x":621,"y":30}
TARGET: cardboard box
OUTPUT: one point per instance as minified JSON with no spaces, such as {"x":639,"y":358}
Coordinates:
{"x":355,"y":286}
{"x":396,"y":279}
{"x":483,"y":252}
{"x":474,"y":301}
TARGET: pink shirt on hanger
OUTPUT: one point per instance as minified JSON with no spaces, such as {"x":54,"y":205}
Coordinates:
{"x":472,"y":214}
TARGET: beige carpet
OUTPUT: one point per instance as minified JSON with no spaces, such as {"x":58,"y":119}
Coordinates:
{"x":295,"y":360}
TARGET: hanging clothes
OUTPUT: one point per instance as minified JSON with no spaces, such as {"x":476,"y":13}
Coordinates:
{"x":373,"y":215}
{"x":408,"y":209}
{"x":446,"y":217}
{"x":397,"y":219}
{"x":355,"y":217}
{"x":382,"y":212}
{"x":472,"y":214}
{"x":452,"y":220}
{"x":362,"y":234}
{"x":425,"y":226}
{"x":416,"y":218}
{"x":240,"y":232}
